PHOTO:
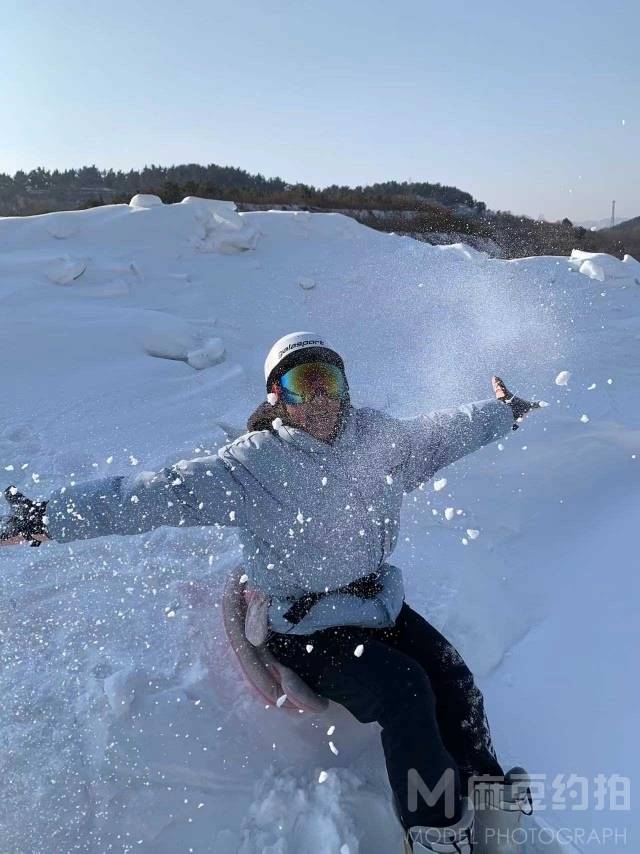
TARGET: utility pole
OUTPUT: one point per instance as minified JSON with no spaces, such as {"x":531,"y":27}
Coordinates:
{"x":613,"y":213}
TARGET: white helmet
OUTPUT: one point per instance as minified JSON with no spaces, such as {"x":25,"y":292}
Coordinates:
{"x":285,"y":354}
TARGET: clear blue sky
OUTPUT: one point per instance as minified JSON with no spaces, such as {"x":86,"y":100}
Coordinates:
{"x":532,"y":107}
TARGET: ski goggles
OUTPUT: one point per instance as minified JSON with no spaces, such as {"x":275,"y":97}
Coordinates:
{"x":303,"y":382}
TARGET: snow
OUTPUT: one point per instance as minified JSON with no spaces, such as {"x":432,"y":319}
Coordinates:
{"x":63,"y":271}
{"x":602,"y":267}
{"x":126,"y":724}
{"x":145,"y":200}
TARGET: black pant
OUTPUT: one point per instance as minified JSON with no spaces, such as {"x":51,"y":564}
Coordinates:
{"x":413,"y":682}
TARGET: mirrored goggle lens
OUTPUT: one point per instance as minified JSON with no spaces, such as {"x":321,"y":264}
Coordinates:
{"x":302,"y":383}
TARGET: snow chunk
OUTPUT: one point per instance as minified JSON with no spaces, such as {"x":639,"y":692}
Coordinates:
{"x":211,"y":353}
{"x":592,"y":271}
{"x":146,"y":200}
{"x":65,"y":270}
{"x":440,"y":484}
{"x":563,"y":378}
{"x":322,"y":776}
{"x":306,"y":283}
{"x":358,"y":650}
{"x":602,"y":267}
{"x":472,"y":533}
{"x":167,"y":336}
{"x":220,"y":228}
{"x":584,"y":419}
{"x":449,"y":513}
{"x":633,"y":266}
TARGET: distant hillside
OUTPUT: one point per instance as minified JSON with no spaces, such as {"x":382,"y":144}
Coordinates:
{"x":628,"y":225}
{"x":622,"y":239}
{"x":598,"y":223}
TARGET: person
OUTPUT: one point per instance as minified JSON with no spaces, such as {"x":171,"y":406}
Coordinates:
{"x":316,"y":487}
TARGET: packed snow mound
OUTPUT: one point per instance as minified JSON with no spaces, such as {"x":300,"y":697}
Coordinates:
{"x":145,"y":200}
{"x":104,"y":245}
{"x":602,"y":267}
{"x":214,"y":205}
{"x":134,"y":336}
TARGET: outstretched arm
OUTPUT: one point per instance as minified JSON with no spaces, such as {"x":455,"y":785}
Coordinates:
{"x":201,"y":491}
{"x":440,"y":438}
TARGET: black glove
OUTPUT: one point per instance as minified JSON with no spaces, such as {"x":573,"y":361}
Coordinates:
{"x":519,"y":407}
{"x":26,"y":517}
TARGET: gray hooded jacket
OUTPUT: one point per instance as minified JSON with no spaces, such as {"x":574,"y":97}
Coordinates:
{"x":314,"y":516}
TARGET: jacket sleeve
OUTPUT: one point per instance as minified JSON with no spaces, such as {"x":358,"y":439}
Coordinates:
{"x":440,"y":438}
{"x":202,"y":491}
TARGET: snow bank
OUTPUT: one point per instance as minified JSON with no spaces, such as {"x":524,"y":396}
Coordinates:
{"x":602,"y":267}
{"x":101,"y":244}
{"x":126,"y":724}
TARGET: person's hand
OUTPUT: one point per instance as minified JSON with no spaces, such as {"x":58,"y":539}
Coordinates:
{"x":26,"y":522}
{"x":520,"y":408}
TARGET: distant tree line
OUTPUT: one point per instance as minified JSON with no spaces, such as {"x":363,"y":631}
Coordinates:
{"x":42,"y":190}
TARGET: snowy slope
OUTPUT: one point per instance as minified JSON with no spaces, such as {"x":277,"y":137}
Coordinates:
{"x":135,"y":336}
